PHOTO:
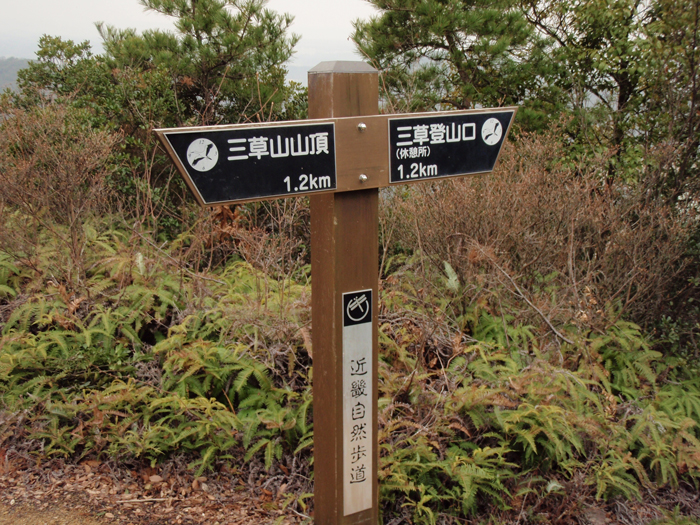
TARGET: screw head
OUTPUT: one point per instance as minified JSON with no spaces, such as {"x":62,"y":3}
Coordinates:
{"x":363,"y":178}
{"x":362,"y":127}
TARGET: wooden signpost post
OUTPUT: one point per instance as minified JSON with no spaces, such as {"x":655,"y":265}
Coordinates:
{"x":340,"y":157}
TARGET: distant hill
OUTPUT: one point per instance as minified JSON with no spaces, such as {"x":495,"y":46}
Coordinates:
{"x":8,"y":71}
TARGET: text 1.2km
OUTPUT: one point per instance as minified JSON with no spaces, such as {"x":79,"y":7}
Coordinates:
{"x":307,"y":183}
{"x":418,"y":170}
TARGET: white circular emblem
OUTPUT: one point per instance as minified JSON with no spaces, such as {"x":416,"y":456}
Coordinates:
{"x":492,"y":131}
{"x":202,"y":154}
{"x":358,"y":308}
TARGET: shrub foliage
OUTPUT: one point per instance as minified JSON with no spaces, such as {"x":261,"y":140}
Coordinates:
{"x":478,"y":411}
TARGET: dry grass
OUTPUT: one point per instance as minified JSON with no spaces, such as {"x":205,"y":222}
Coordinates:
{"x":548,"y":232}
{"x":52,"y":177}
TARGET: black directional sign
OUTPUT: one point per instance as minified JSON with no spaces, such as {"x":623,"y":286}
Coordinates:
{"x":225,"y":164}
{"x":245,"y":163}
{"x":429,"y":146}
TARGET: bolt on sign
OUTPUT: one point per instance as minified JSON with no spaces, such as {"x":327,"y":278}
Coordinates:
{"x":340,"y":162}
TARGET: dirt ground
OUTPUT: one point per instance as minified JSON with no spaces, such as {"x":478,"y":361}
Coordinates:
{"x":96,"y":493}
{"x":108,"y":493}
{"x":28,"y":514}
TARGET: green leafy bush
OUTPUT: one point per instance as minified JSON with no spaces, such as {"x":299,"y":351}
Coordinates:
{"x":131,"y":366}
{"x":520,"y":413}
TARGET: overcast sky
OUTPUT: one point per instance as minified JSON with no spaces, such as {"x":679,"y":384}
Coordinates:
{"x":324,"y":25}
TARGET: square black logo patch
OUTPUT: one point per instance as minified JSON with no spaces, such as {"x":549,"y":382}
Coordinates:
{"x":357,"y":307}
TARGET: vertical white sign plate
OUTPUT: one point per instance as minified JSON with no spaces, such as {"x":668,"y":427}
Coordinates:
{"x":357,"y":401}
